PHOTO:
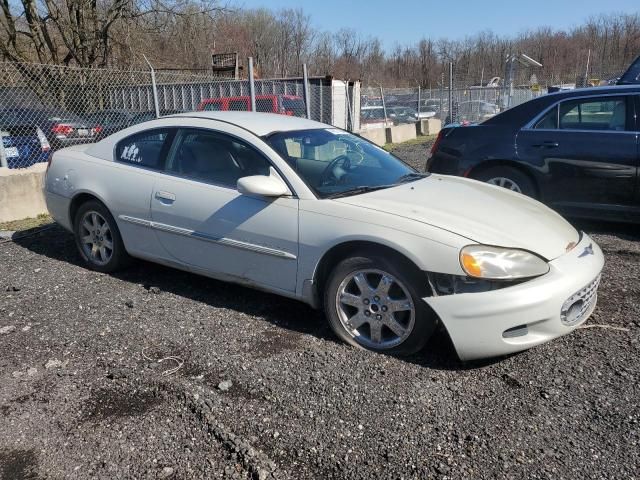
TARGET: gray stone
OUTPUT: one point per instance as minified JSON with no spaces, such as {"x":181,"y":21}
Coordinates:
{"x":225,"y":385}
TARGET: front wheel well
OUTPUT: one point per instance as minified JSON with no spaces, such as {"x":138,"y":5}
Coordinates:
{"x":476,"y":171}
{"x":345,"y":250}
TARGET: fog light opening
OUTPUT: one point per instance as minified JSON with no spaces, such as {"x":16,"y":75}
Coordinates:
{"x":574,"y":312}
{"x":519,"y":331}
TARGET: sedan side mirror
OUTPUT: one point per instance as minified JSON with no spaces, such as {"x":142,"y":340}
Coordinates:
{"x":263,"y":185}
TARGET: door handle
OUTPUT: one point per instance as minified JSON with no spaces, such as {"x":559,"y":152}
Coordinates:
{"x":547,"y":144}
{"x":165,"y":197}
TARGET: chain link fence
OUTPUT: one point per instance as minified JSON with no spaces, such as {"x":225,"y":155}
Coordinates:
{"x":466,"y":100}
{"x":44,"y":107}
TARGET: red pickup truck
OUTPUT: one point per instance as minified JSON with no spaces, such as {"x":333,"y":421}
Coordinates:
{"x":291,"y":105}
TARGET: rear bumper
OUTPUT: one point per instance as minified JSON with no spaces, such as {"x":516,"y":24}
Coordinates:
{"x":58,"y":207}
{"x":516,"y":318}
{"x":444,"y":164}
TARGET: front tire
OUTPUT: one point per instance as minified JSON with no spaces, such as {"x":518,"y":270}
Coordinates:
{"x":98,"y":238}
{"x":509,"y":178}
{"x":375,"y":303}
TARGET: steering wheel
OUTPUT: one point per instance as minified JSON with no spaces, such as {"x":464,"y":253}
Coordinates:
{"x":328,"y":172}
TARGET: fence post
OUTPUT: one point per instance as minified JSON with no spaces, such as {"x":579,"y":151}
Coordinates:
{"x":349,"y":116}
{"x":3,"y":154}
{"x":384,"y":106}
{"x":252,"y":86}
{"x":451,"y":119}
{"x":154,"y":88}
{"x":321,"y":103}
{"x":307,"y":100}
{"x":510,"y":82}
{"x":419,"y":102}
{"x":442,"y":93}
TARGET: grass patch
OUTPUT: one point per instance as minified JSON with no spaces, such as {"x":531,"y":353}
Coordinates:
{"x":416,"y":141}
{"x":27,"y":223}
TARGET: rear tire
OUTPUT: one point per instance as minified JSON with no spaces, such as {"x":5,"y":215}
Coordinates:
{"x":98,"y":238}
{"x":509,"y":178}
{"x":375,"y":303}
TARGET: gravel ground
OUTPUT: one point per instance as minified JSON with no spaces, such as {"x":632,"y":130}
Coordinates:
{"x":89,"y":386}
{"x":415,"y":154}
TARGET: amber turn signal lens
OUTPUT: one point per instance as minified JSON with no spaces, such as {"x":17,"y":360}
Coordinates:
{"x":471,"y":265}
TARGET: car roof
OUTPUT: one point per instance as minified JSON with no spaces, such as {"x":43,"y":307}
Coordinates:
{"x":603,"y":90}
{"x":257,"y":122}
{"x":519,"y":115}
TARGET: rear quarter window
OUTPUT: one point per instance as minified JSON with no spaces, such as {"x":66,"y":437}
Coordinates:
{"x":143,"y":149}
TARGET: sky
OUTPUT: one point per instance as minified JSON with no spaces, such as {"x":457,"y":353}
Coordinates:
{"x":404,"y":22}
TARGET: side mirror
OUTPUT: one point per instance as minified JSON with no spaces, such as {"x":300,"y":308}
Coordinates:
{"x":264,"y":186}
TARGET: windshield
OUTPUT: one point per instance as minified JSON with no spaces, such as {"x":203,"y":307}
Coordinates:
{"x":336,"y":163}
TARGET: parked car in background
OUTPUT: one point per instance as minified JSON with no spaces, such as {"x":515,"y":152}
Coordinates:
{"x":576,"y":151}
{"x":291,"y":105}
{"x":372,"y":117}
{"x":432,"y":106}
{"x":311,"y":212}
{"x":107,"y":122}
{"x":23,"y":144}
{"x":61,"y":128}
{"x":476,"y":111}
{"x":139,"y":117}
{"x":407,"y":115}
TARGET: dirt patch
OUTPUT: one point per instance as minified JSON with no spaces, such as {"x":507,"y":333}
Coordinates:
{"x":108,"y":404}
{"x":274,"y":342}
{"x":18,"y":465}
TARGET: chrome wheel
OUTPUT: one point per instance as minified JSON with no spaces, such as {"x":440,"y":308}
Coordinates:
{"x":375,"y":309}
{"x":505,"y":183}
{"x":96,"y":239}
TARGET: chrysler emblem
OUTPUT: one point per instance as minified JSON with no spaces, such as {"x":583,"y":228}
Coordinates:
{"x":587,"y":251}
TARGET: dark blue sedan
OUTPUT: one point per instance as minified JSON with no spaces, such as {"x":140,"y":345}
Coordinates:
{"x":23,"y":146}
{"x":577,"y":151}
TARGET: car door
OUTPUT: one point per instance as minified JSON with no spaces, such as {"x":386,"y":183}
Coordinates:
{"x":139,"y":161}
{"x":587,"y":152}
{"x":636,"y":126}
{"x":203,"y":221}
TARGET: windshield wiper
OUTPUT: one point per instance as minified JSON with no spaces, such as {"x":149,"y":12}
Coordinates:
{"x":358,"y":190}
{"x":410,"y":177}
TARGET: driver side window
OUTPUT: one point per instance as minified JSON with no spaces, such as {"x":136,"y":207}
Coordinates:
{"x":213,"y":157}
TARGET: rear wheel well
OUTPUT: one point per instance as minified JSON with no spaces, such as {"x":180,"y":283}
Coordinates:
{"x":484,"y":166}
{"x":345,"y":250}
{"x":76,"y":202}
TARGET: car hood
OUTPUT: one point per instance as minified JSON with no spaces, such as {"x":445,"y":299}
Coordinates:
{"x":482,"y":213}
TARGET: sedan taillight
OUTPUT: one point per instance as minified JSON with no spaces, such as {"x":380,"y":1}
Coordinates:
{"x":62,"y":129}
{"x":44,"y":143}
{"x":436,"y":144}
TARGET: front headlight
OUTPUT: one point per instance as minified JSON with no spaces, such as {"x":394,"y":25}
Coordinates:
{"x":494,"y":263}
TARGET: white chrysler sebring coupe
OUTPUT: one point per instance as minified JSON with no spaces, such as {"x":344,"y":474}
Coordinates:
{"x":312,"y":212}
